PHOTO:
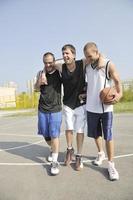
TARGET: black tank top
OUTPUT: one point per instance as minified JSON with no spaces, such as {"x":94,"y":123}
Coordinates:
{"x":50,"y":95}
{"x":73,"y":83}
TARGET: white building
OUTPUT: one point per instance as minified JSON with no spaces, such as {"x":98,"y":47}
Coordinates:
{"x":7,"y":97}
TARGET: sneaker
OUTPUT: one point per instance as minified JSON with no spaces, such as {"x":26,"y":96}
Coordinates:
{"x":69,"y":156}
{"x":98,"y":161}
{"x":54,"y":168}
{"x":79,"y":163}
{"x":49,"y":158}
{"x":113,"y":174}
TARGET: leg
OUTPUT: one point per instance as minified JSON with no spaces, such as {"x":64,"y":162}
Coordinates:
{"x":55,"y":151}
{"x":95,"y":131}
{"x":99,"y":144}
{"x":110,"y":149}
{"x":70,"y":150}
{"x":43,"y":129}
{"x":55,"y":145}
{"x":54,"y":128}
{"x":69,"y":123}
{"x":80,"y":139}
{"x":79,"y":126}
{"x":113,"y":173}
{"x":48,"y":140}
{"x":79,"y":163}
{"x":107,"y":129}
{"x":69,"y":138}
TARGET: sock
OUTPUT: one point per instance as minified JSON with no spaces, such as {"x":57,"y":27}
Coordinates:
{"x":78,"y":154}
{"x":54,"y":157}
{"x":70,"y":147}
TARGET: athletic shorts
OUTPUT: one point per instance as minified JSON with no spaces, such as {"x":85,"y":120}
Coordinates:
{"x":49,"y":124}
{"x":75,"y":119}
{"x":99,"y":124}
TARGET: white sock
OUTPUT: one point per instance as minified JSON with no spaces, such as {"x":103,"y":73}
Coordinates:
{"x":54,"y":157}
{"x":78,"y":154}
{"x":69,"y":147}
{"x":101,"y":152}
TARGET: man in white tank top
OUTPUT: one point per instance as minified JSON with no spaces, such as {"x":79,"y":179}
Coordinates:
{"x":99,"y":115}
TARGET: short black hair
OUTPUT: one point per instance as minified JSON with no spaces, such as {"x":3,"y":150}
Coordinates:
{"x":49,"y":53}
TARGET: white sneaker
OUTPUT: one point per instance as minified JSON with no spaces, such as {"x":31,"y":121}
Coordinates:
{"x":49,"y":158}
{"x":100,"y":157}
{"x":54,"y":168}
{"x":113,"y":174}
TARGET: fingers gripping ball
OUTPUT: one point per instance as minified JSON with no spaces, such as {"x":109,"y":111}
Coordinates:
{"x":107,"y":95}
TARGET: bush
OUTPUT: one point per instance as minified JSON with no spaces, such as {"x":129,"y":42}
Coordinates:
{"x":127,"y":95}
{"x":25,"y":100}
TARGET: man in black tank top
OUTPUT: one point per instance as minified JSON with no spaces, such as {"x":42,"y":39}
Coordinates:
{"x":49,"y":108}
{"x":73,"y":79}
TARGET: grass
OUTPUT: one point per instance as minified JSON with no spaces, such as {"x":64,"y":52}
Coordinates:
{"x":121,"y":107}
{"x":124,"y":107}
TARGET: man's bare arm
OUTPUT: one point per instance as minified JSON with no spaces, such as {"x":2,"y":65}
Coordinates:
{"x":58,"y":64}
{"x":40,"y":80}
{"x":115,"y":77}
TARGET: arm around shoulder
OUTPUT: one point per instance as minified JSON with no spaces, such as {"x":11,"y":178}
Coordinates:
{"x":58,"y":64}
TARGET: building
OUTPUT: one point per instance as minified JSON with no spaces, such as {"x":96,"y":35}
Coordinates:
{"x":7,"y":97}
{"x":127,"y":84}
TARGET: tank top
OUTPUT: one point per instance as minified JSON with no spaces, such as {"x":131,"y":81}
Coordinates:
{"x":95,"y":83}
{"x":73,"y":84}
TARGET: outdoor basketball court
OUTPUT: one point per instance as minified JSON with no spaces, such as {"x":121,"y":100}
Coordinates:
{"x":25,"y":173}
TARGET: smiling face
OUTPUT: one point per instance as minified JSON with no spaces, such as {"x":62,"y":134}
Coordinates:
{"x":91,"y":55}
{"x":91,"y":52}
{"x":69,"y":54}
{"x":48,"y":61}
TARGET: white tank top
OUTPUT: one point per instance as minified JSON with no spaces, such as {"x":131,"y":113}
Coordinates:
{"x":95,"y":83}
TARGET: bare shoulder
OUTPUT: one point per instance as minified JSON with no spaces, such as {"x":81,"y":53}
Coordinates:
{"x":112,"y":66}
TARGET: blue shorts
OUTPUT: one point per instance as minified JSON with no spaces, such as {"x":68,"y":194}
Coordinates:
{"x":49,"y":124}
{"x":100,"y":123}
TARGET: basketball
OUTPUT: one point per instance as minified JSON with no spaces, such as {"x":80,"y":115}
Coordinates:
{"x":107,"y":95}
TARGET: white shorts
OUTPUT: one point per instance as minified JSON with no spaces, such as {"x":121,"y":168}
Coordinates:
{"x":75,"y":119}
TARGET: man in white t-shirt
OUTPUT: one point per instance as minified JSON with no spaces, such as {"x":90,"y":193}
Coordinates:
{"x":99,"y":115}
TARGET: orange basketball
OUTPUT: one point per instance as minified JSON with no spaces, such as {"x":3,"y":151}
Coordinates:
{"x":107,"y":95}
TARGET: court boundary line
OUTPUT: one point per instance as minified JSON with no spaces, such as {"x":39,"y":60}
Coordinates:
{"x":61,"y":163}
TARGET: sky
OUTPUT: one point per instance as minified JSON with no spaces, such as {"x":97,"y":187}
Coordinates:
{"x":30,"y":28}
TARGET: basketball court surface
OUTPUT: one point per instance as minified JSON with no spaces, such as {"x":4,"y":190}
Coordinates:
{"x":25,"y":173}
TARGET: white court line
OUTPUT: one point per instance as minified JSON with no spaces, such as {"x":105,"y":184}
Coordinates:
{"x":115,"y":157}
{"x":26,"y":145}
{"x":61,"y":163}
{"x":122,"y":156}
